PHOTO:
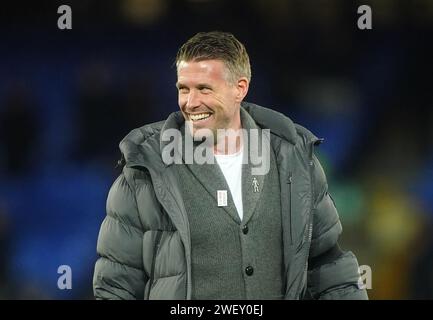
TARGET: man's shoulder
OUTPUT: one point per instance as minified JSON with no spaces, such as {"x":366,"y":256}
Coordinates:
{"x":143,"y":133}
{"x":146,"y":137}
{"x":280,"y":125}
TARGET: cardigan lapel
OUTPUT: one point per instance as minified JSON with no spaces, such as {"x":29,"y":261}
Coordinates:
{"x":252,"y":184}
{"x":210,"y":176}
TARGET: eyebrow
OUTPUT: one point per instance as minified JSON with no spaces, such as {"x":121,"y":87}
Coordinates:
{"x":200,"y":85}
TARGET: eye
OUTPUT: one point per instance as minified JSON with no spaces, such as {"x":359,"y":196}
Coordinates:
{"x":204,"y":89}
{"x":183,"y":90}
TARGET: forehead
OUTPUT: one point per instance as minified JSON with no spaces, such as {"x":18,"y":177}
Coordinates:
{"x":201,"y":70}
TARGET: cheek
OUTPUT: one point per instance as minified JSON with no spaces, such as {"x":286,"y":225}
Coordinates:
{"x":229,"y":103}
{"x":223,"y":100}
{"x":229,"y":96}
{"x":181,"y":100}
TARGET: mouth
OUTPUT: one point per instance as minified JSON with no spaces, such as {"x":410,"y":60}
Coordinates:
{"x":196,"y":118}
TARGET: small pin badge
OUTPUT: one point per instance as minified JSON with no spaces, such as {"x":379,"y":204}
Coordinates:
{"x":222,"y":198}
{"x":255,"y":185}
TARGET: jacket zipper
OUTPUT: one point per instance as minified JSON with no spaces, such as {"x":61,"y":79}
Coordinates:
{"x":152,"y":270}
{"x":310,"y":222}
{"x":289,"y":181}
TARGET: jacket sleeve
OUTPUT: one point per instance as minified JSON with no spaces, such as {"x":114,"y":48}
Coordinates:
{"x":338,"y":276}
{"x":119,"y":272}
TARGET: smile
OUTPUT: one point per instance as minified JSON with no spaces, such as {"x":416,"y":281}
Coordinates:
{"x":200,"y":116}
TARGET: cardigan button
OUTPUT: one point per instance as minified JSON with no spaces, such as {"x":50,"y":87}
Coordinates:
{"x":249,"y":271}
{"x":245,"y":229}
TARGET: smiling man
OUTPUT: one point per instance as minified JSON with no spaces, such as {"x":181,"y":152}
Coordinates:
{"x":188,"y":230}
{"x":209,"y":93}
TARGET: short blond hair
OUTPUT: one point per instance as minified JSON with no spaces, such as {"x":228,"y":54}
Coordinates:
{"x":217,"y":45}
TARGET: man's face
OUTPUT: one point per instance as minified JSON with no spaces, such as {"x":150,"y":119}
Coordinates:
{"x":206,"y":97}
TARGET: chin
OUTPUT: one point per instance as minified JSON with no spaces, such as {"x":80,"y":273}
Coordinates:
{"x":203,"y":133}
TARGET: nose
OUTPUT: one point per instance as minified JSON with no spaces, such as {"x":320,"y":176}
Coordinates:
{"x":193,"y":100}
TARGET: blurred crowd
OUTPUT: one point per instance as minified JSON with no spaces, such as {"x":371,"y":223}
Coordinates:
{"x":67,"y":97}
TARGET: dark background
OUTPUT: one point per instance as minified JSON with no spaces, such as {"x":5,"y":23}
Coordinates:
{"x":67,"y":97}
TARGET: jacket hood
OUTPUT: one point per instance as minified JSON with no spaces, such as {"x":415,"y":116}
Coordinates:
{"x":145,"y":144}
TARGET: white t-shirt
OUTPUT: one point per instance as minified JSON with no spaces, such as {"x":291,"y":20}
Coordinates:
{"x":231,"y":167}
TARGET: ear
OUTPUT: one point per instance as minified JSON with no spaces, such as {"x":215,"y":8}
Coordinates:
{"x":242,"y":86}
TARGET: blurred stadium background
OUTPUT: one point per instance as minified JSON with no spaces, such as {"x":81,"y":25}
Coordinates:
{"x":68,"y":97}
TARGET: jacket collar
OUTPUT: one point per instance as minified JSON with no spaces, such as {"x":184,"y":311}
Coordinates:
{"x":277,"y":122}
{"x":144,"y":145}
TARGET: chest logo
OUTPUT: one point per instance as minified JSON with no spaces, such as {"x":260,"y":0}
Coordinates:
{"x":255,"y":185}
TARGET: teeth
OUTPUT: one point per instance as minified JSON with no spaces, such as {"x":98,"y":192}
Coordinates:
{"x":201,"y":116}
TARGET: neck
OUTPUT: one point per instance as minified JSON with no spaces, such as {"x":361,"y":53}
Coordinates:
{"x":229,"y":140}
